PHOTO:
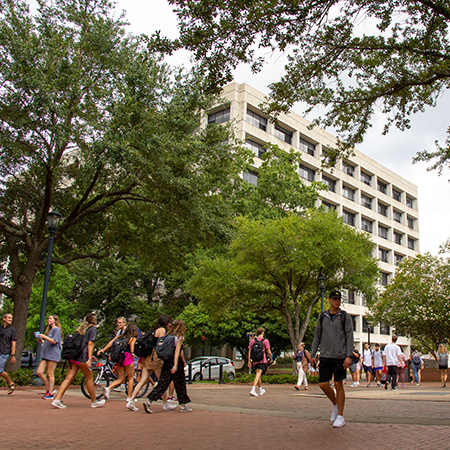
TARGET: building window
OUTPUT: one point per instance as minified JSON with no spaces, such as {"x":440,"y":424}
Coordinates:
{"x":307,"y":147}
{"x":367,"y":328}
{"x":366,"y":201}
{"x":256,"y":120}
{"x":383,"y":232}
{"x":396,"y":195}
{"x":349,"y":193}
{"x":219,"y":116}
{"x":328,"y":207}
{"x":385,"y":328}
{"x":382,"y":209}
{"x":348,"y":169}
{"x":409,"y":202}
{"x":384,"y":279}
{"x":306,"y":173}
{"x":410,"y":223}
{"x":330,"y":183}
{"x":283,"y":134}
{"x":349,"y":218}
{"x":398,"y":237}
{"x":397,"y":216}
{"x":383,"y":255}
{"x":411,"y":243}
{"x":251,"y":177}
{"x":366,"y":178}
{"x":353,"y":322}
{"x":351,"y":297}
{"x":398,"y":258}
{"x":366,"y":225}
{"x":256,"y":148}
{"x":382,"y":187}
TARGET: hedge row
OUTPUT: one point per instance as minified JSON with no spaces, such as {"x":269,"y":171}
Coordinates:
{"x":25,"y":377}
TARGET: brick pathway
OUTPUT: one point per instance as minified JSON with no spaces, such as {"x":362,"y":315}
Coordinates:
{"x":226,"y":417}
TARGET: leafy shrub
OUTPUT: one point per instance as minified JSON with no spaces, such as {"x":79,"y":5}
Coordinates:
{"x":25,"y":377}
{"x":273,"y":379}
{"x":285,"y":360}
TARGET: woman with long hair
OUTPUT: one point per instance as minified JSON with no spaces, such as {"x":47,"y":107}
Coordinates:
{"x":89,"y":332}
{"x":172,"y":370}
{"x":126,"y":367}
{"x":152,"y":363}
{"x":442,"y":359}
{"x":302,"y":357}
{"x":51,"y":354}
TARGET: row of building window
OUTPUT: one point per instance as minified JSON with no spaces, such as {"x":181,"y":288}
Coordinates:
{"x":384,"y":328}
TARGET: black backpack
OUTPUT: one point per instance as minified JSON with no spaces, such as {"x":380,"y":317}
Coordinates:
{"x":257,"y":351}
{"x":118,"y":349}
{"x":144,"y":345}
{"x":165,"y":346}
{"x":72,"y":346}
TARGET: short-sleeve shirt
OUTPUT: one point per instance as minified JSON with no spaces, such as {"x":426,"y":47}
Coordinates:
{"x":7,"y":335}
{"x":52,"y":352}
{"x":90,"y":335}
{"x":367,"y":358}
{"x":378,"y":358}
{"x":266,"y":347}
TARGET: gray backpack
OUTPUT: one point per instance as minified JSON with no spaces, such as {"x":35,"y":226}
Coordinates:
{"x":443,"y":359}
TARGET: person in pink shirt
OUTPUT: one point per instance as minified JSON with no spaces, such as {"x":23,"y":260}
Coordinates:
{"x":259,"y":355}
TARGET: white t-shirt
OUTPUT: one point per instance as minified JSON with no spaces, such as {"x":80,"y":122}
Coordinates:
{"x":378,"y":358}
{"x":391,"y":351}
{"x":367,"y":358}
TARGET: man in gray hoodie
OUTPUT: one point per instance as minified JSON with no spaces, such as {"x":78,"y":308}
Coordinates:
{"x":334,"y":336}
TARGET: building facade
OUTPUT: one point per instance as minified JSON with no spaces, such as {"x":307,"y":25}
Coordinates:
{"x":365,"y":193}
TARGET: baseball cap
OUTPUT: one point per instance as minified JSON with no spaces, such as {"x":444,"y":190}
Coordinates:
{"x":335,"y":293}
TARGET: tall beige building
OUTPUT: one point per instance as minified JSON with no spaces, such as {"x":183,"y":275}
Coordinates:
{"x":365,"y":193}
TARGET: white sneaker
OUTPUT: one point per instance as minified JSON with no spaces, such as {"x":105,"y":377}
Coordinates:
{"x":253,"y":392}
{"x":58,"y":404}
{"x":98,"y":403}
{"x":334,"y":413}
{"x":106,"y":392}
{"x":354,"y":385}
{"x":184,"y":409}
{"x":169,"y":406}
{"x":261,"y":391}
{"x":339,"y":422}
{"x":120,"y":388}
{"x":148,"y":407}
{"x":131,"y":406}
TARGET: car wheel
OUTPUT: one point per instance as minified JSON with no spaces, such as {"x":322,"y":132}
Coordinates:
{"x":230,"y":376}
{"x":197,"y":377}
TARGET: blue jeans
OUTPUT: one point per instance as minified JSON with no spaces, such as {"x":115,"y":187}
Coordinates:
{"x":415,"y":372}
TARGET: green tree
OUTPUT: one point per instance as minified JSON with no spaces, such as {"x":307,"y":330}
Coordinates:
{"x":354,"y":57}
{"x":417,"y":301}
{"x":274,"y":265}
{"x":92,"y":123}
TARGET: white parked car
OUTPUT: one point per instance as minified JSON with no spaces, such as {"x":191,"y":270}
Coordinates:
{"x":201,"y":368}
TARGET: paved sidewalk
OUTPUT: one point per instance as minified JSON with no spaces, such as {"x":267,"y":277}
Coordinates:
{"x":226,"y":416}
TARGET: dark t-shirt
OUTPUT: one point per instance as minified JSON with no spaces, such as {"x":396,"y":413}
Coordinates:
{"x":90,"y":335}
{"x":355,"y":359}
{"x":7,"y":335}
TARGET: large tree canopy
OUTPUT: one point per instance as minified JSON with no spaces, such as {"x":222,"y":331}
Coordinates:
{"x":94,"y":125}
{"x":417,"y":301}
{"x":275,"y":264}
{"x":354,"y":57}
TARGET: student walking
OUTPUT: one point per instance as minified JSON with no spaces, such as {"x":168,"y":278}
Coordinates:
{"x":442,"y":359}
{"x":416,"y":365}
{"x":258,"y":351}
{"x":152,"y":363}
{"x":367,"y":363}
{"x":8,"y":339}
{"x":172,"y":370}
{"x":401,"y":368}
{"x":51,"y":354}
{"x":391,"y":359}
{"x":302,"y":357}
{"x":334,"y":335}
{"x":126,"y":367}
{"x":377,"y":363}
{"x":89,"y":332}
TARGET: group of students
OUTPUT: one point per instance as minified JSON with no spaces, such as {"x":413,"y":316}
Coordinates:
{"x":171,"y":370}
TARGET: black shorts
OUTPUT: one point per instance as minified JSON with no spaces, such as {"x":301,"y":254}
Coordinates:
{"x":330,"y":366}
{"x":260,"y":366}
{"x":443,"y":367}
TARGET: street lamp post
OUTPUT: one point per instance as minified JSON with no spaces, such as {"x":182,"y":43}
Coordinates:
{"x":322,"y":281}
{"x":53,"y":218}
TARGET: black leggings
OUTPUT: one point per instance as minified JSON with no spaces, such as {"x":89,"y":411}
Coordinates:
{"x":166,"y":378}
{"x":392,"y":374}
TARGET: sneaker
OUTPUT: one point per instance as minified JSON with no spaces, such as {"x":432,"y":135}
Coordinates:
{"x":253,"y":392}
{"x":148,"y":407}
{"x":334,"y":413}
{"x":353,"y":385}
{"x":106,"y":392}
{"x":58,"y":404}
{"x":131,"y":406}
{"x":185,"y":409}
{"x":357,"y":383}
{"x":418,"y":384}
{"x":48,"y":396}
{"x":339,"y":422}
{"x":393,"y":389}
{"x":98,"y":403}
{"x":169,"y":406}
{"x":262,"y":391}
{"x":172,"y":399}
{"x":378,"y":384}
{"x":368,"y":384}
{"x":386,"y":385}
{"x":120,"y":388}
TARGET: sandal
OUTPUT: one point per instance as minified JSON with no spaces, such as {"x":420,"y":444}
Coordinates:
{"x":296,"y":387}
{"x":12,"y":388}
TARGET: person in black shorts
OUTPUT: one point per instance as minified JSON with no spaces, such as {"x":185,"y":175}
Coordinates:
{"x":334,"y":335}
